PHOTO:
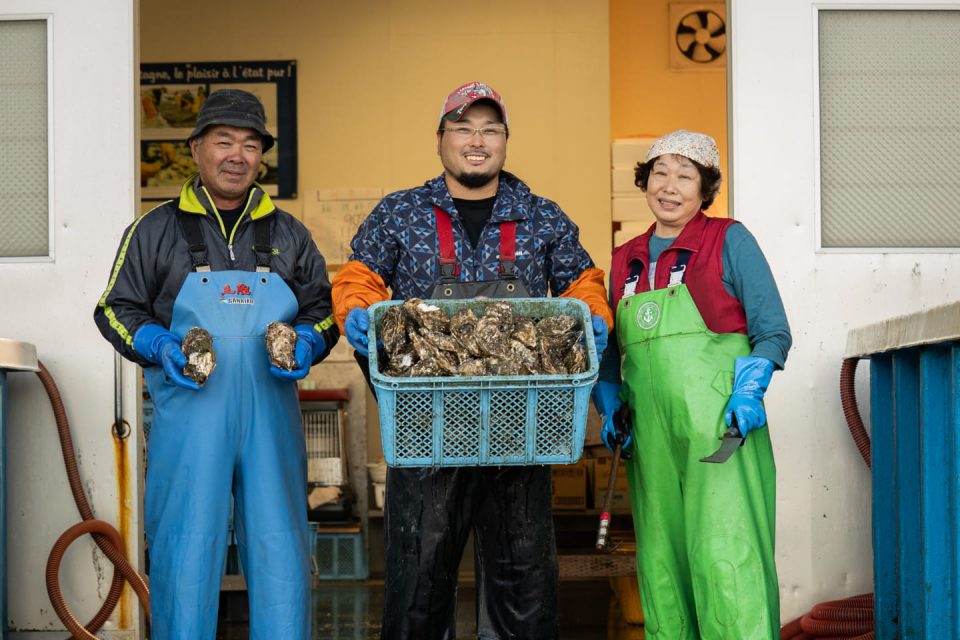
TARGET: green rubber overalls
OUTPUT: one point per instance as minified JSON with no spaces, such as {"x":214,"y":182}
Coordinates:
{"x":705,"y":532}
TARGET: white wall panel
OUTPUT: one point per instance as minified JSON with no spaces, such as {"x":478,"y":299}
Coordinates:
{"x":823,"y":531}
{"x":50,"y":304}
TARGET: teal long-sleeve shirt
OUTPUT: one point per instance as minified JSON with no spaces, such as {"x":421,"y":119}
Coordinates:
{"x":747,"y":277}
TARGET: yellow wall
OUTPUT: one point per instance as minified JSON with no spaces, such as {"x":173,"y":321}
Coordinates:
{"x":372,"y":76}
{"x":647,"y":97}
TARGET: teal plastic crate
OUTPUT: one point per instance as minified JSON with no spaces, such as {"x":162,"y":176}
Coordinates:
{"x":486,"y":420}
{"x":338,"y":556}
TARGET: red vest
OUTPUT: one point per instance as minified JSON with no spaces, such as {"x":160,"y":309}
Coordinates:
{"x":703,"y":237}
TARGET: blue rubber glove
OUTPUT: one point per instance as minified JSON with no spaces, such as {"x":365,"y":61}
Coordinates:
{"x":750,"y":381}
{"x":601,"y":334}
{"x":310,"y":344}
{"x":606,"y":398}
{"x":162,"y":347}
{"x":356,"y":326}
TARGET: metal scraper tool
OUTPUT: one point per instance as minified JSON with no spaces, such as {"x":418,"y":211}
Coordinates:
{"x":732,"y":440}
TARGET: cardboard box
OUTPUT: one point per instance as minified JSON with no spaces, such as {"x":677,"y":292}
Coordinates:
{"x":570,"y":486}
{"x":621,"y":489}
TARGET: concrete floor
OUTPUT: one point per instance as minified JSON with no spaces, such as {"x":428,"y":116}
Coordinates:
{"x":351,"y":611}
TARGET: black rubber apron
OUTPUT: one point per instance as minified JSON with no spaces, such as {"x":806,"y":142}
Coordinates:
{"x":430,"y":512}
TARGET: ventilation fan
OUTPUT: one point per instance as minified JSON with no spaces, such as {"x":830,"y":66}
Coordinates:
{"x":700,"y":36}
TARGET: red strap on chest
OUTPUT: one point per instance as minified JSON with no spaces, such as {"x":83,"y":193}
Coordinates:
{"x":448,"y":251}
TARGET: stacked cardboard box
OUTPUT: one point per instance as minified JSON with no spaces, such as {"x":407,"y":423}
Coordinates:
{"x":629,"y":204}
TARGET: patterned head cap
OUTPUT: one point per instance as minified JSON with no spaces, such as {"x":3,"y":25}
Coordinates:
{"x":699,"y":147}
{"x":462,"y":97}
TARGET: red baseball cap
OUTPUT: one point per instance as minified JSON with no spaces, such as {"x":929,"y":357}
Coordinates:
{"x":462,"y":97}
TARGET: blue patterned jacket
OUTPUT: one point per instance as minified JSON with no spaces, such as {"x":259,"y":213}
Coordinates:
{"x":398,"y":240}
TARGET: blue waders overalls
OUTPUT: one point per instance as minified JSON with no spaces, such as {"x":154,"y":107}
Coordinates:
{"x":431,"y":511}
{"x":240,"y":433}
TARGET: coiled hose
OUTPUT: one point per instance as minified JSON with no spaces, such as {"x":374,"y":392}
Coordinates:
{"x":850,"y":617}
{"x":104,"y":534}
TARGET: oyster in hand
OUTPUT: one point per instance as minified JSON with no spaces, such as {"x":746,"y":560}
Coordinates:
{"x":201,"y":360}
{"x":281,"y":341}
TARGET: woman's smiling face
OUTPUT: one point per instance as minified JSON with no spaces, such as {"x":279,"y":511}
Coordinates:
{"x":673,"y":193}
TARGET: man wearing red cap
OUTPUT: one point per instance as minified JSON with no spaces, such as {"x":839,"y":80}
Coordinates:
{"x":474,"y":213}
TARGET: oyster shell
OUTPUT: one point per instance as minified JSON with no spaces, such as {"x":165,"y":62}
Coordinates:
{"x":426,"y":315}
{"x":463,"y":327}
{"x":501,"y":366}
{"x":201,"y":360}
{"x":551,"y":358}
{"x":441,"y":341}
{"x":281,"y":341}
{"x":555,"y":325}
{"x":472,"y":367}
{"x":576,"y":359}
{"x":399,"y":364}
{"x":491,"y":339}
{"x":525,"y":331}
{"x":393,"y":330}
{"x":526,"y":359}
{"x":503,"y":312}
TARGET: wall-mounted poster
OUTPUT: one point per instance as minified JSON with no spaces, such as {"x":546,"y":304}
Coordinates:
{"x":171,"y":94}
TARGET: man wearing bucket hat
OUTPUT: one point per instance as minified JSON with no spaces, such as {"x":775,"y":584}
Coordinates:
{"x":498,"y":240}
{"x":223,"y":257}
{"x":700,"y":330}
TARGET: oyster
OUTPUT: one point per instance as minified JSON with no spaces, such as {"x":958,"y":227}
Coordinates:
{"x":472,"y":367}
{"x":424,"y":370}
{"x":576,"y":359}
{"x":463,"y":326}
{"x":555,"y":325}
{"x":393,"y":330}
{"x":281,"y":341}
{"x":426,"y":315}
{"x":490,"y":337}
{"x":201,"y":360}
{"x":441,"y":341}
{"x":525,"y":331}
{"x":399,"y":364}
{"x":501,"y":366}
{"x":431,"y":358}
{"x":551,"y":358}
{"x":526,"y":359}
{"x":503,"y":312}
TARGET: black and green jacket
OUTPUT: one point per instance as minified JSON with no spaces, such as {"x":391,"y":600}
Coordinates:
{"x":153,"y":261}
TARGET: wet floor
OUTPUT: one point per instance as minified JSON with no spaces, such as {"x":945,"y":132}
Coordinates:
{"x":351,"y":611}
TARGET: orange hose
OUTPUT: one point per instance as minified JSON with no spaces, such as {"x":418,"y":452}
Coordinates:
{"x":106,"y":536}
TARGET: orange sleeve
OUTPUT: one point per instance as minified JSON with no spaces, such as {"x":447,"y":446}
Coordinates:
{"x":589,"y":287}
{"x":356,"y":285}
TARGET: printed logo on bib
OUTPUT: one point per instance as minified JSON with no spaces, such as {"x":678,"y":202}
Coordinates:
{"x":240,"y":295}
{"x":648,"y":315}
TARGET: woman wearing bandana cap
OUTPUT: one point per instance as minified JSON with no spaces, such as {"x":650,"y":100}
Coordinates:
{"x":700,"y":329}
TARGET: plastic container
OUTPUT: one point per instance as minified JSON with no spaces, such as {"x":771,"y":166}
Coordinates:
{"x":486,"y":420}
{"x":379,"y":493}
{"x":338,"y":555}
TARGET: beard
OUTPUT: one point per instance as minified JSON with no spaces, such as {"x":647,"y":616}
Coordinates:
{"x":474,"y":180}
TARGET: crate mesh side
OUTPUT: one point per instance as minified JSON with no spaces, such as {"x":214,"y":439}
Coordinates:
{"x":461,"y":424}
{"x":555,"y":422}
{"x":323,"y":552}
{"x":508,"y":416}
{"x":346,"y":557}
{"x":414,"y":424}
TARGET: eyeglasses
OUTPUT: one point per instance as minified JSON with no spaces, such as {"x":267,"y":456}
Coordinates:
{"x":468,"y":132}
